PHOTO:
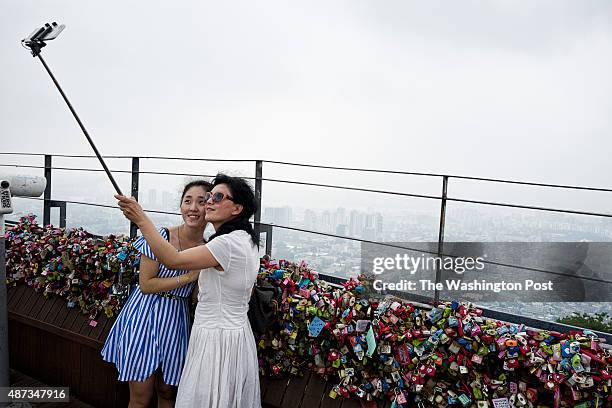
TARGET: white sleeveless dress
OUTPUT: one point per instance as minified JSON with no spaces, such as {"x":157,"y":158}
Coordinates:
{"x":221,"y":369}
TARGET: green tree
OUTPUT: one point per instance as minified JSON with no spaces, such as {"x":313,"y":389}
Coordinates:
{"x":599,"y":321}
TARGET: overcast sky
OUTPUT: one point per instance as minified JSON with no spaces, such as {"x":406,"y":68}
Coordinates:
{"x":508,"y":89}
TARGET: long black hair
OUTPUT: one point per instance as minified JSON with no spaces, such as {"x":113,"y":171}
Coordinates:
{"x":242,"y":194}
{"x":206,"y":185}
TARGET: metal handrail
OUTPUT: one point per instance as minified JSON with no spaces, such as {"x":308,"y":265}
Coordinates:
{"x":382,"y":171}
{"x":48,"y":202}
{"x":367,"y":190}
{"x":384,"y":244}
{"x":85,"y":156}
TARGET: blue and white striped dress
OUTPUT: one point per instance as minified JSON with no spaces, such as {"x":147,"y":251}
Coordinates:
{"x":151,"y":331}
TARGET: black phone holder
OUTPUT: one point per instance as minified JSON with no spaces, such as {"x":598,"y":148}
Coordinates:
{"x":37,"y":40}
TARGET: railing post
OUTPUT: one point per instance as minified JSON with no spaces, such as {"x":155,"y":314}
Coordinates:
{"x":4,"y":340}
{"x":62,"y":220}
{"x":441,"y":234}
{"x":135,"y":177}
{"x":47,"y":196}
{"x":258,"y":176}
{"x":269,"y":240}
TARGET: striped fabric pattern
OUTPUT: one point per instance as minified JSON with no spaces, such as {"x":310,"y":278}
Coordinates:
{"x":141,"y":245}
{"x":151,"y":331}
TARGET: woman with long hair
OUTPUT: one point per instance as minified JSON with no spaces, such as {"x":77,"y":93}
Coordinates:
{"x":221,"y":370}
{"x":148,"y":341}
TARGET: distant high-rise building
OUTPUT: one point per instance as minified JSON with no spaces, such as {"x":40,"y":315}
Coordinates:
{"x":279,"y":215}
{"x":326,"y":221}
{"x":373,"y":226}
{"x":310,"y":220}
{"x":152,"y":197}
{"x":378,"y":224}
{"x":369,"y":221}
{"x":285,"y":215}
{"x":356,"y":223}
{"x":341,"y":229}
{"x":168,"y":200}
{"x":269,"y":214}
{"x":340,"y":216}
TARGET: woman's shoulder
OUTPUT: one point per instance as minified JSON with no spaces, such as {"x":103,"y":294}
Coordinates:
{"x":236,"y":234}
{"x":241,"y":236}
{"x":231,"y":238}
{"x":239,"y":233}
{"x":142,"y":246}
{"x":234,"y":238}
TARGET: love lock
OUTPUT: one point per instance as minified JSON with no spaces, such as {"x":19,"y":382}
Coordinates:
{"x":464,"y":400}
{"x":588,"y":382}
{"x":574,"y":347}
{"x":512,"y":349}
{"x":511,"y":364}
{"x":577,"y":363}
{"x":385,"y":349}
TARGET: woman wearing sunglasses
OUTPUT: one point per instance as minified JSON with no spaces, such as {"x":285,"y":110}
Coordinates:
{"x":221,"y":369}
{"x":148,"y":341}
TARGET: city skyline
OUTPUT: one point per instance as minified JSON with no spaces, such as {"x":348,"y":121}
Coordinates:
{"x":342,"y":257}
{"x":328,"y":219}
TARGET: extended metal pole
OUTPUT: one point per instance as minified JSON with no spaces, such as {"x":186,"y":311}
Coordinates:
{"x":4,"y":354}
{"x":91,"y":143}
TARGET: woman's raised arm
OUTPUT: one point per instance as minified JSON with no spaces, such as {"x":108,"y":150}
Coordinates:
{"x":191,"y":259}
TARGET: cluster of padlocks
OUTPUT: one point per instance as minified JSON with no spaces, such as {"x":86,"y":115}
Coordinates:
{"x":92,"y":274}
{"x":371,"y":347}
{"x":377,"y":348}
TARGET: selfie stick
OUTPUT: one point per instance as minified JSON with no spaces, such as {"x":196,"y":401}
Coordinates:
{"x":35,"y":42}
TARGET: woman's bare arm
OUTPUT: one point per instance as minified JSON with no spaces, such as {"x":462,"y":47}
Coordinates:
{"x":150,"y":283}
{"x":191,"y":259}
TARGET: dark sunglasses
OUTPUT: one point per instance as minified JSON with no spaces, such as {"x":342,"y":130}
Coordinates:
{"x":216,"y":197}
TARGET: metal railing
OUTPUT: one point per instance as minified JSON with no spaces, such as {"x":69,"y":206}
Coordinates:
{"x":268,"y":229}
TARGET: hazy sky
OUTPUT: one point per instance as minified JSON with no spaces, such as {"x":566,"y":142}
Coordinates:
{"x":508,"y":89}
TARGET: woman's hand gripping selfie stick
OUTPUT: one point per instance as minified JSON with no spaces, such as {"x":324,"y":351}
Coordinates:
{"x":35,"y":42}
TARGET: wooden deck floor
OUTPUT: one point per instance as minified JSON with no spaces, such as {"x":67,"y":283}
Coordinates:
{"x":20,"y":380}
